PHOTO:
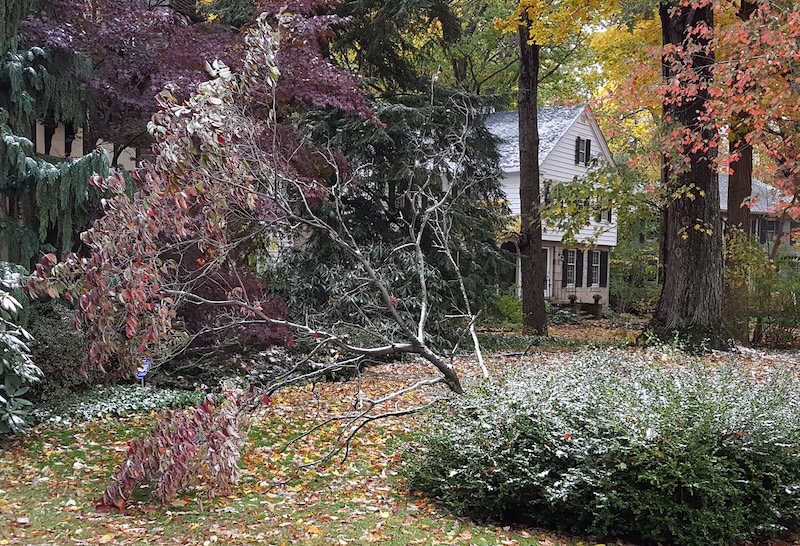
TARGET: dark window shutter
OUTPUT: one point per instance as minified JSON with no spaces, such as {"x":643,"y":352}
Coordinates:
{"x":599,"y":217}
{"x":793,"y":226}
{"x":578,"y":144}
{"x":604,"y":268}
{"x":565,"y":255}
{"x":588,"y":151}
{"x":762,"y":237}
{"x":610,"y":212}
{"x":578,"y":268}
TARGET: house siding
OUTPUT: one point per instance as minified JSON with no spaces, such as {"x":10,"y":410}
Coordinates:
{"x":583,"y":293}
{"x":559,"y":166}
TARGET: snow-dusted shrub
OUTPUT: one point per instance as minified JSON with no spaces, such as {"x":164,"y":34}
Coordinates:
{"x":621,"y":445}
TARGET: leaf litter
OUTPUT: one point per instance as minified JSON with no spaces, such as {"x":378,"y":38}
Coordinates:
{"x":51,"y":479}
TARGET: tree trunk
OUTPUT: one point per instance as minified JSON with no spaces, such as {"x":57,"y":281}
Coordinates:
{"x":740,"y":184}
{"x":691,"y":297}
{"x":737,"y":315}
{"x":534,"y":270}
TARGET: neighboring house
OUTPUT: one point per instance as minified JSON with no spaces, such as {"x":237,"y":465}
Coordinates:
{"x":765,"y":225}
{"x":570,"y":142}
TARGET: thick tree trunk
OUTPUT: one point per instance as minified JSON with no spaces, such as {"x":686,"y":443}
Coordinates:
{"x":691,"y":298}
{"x":534,"y":270}
{"x":740,"y":185}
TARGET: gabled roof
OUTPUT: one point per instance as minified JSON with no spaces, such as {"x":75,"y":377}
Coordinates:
{"x":553,"y":124}
{"x":766,"y":196}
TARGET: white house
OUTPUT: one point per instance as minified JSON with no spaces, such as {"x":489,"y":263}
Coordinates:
{"x":570,"y":142}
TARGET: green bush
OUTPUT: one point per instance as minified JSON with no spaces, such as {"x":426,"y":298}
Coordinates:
{"x":17,"y":369}
{"x":504,"y":309}
{"x":561,"y":315}
{"x":615,"y":445}
{"x":60,"y":351}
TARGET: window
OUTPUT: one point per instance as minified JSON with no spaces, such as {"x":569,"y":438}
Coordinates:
{"x":603,"y":216}
{"x":770,"y":229}
{"x":755,"y":227}
{"x":572,"y":260}
{"x":583,"y":151}
{"x":595,"y":268}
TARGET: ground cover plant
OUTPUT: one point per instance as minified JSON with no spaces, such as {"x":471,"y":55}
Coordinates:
{"x":616,"y":444}
{"x":115,"y":401}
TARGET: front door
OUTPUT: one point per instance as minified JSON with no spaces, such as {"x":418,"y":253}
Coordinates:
{"x":548,"y":280}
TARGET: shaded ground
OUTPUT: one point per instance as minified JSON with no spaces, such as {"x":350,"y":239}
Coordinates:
{"x":50,"y":481}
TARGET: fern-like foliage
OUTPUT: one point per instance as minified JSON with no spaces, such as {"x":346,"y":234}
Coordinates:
{"x":43,"y":200}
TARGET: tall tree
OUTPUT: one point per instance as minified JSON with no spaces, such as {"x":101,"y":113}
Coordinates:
{"x":754,"y":93}
{"x":533,"y":266}
{"x":537,"y":22}
{"x":44,"y":201}
{"x":691,"y":296}
{"x":740,"y":185}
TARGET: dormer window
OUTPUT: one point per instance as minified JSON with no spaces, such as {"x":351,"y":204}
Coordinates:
{"x":583,"y":150}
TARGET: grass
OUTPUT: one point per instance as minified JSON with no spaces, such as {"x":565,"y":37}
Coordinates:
{"x":52,"y":479}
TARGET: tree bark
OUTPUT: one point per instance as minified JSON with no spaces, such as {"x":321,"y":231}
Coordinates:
{"x":737,"y":319}
{"x":740,"y":183}
{"x":691,"y":298}
{"x":533,"y":256}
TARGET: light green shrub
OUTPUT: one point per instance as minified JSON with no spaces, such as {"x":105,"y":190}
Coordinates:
{"x":17,"y":370}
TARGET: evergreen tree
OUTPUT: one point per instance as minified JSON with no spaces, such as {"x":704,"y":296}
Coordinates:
{"x":43,"y":200}
{"x":419,"y":128}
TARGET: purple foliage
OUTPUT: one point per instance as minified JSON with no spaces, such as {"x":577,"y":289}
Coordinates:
{"x":135,"y":50}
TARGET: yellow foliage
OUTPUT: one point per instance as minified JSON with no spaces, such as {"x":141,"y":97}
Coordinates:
{"x":553,"y":21}
{"x":621,"y":50}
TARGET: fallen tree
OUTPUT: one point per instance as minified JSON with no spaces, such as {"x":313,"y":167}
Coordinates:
{"x":225,"y":188}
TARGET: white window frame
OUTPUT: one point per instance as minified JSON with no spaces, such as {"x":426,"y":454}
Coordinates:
{"x":572,"y":267}
{"x":595,"y":269}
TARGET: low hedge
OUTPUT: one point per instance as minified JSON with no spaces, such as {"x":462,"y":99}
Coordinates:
{"x":617,"y":445}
